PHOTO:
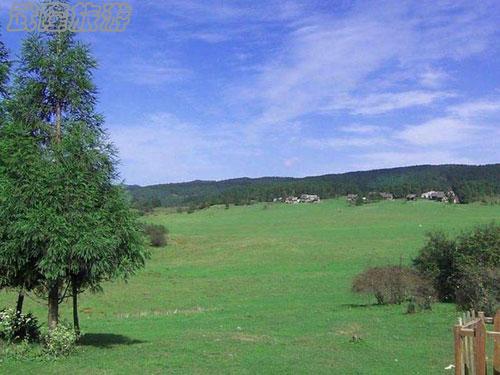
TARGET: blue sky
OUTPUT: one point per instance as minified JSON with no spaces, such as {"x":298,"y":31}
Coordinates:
{"x":198,"y":89}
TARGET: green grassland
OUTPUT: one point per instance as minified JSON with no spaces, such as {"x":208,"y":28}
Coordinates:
{"x":266,"y":289}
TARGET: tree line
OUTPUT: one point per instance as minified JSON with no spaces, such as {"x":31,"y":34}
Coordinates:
{"x":65,"y":223}
{"x":470,"y":183}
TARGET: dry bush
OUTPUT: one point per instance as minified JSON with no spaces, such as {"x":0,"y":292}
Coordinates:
{"x":157,"y":234}
{"x":394,"y":285}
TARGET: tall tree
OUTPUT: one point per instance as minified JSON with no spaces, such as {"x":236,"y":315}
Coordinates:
{"x":7,"y":279}
{"x":75,"y":225}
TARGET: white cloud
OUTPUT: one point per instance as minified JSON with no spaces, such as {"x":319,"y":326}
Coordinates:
{"x":360,"y":128}
{"x":346,"y":142}
{"x":387,"y":159}
{"x":336,"y":63}
{"x":476,"y":108}
{"x":375,"y":104}
{"x":444,"y":130}
{"x":433,"y":78}
{"x":210,"y":37}
{"x":162,"y":148}
{"x":154,"y":72}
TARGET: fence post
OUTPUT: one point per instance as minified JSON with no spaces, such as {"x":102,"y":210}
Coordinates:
{"x":496,"y":350}
{"x":458,"y":350}
{"x":480,"y":346}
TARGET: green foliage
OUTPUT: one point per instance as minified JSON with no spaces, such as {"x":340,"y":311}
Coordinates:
{"x":392,"y":285}
{"x":5,"y":66}
{"x":478,"y":288}
{"x":465,"y":270}
{"x":157,"y":234}
{"x":18,"y":327}
{"x":60,"y":341}
{"x":359,"y":201}
{"x":437,"y":262}
{"x":63,"y":218}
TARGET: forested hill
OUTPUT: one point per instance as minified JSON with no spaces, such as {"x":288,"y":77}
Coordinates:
{"x":470,"y":183}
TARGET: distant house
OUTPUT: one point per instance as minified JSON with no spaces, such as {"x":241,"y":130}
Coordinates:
{"x":427,"y":195}
{"x":387,"y":196}
{"x":435,"y":196}
{"x":309,"y":198}
{"x":291,"y":200}
{"x":411,"y":197}
{"x":352,"y":197}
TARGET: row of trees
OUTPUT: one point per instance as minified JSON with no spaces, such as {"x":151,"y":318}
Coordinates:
{"x":470,"y":183}
{"x":65,"y":224}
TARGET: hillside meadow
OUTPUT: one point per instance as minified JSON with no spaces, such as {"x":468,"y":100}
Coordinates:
{"x":266,"y":289}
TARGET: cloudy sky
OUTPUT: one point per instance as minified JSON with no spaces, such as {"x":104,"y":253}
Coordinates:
{"x":199,"y":89}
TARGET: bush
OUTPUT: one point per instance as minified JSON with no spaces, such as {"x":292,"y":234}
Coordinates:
{"x":464,"y":270}
{"x":393,"y":285}
{"x":436,"y":262}
{"x":60,"y":341}
{"x":157,"y":234}
{"x":18,"y":327}
{"x":479,"y":289}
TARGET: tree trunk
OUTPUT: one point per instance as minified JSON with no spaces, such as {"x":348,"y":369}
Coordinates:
{"x":20,"y":301}
{"x":53,"y":306}
{"x":76,"y":319}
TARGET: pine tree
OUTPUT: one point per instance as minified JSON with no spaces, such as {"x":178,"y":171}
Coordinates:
{"x":7,"y":279}
{"x":68,"y":222}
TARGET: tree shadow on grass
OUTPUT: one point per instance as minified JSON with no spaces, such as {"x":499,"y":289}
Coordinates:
{"x":106,"y":340}
{"x":360,"y":305}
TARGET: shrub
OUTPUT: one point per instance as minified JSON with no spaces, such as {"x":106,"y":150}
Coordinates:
{"x":60,"y":341}
{"x":17,"y":327}
{"x":157,"y":234}
{"x":393,"y":285}
{"x":464,"y":270}
{"x":412,"y":307}
{"x":479,"y":289}
{"x":436,"y":262}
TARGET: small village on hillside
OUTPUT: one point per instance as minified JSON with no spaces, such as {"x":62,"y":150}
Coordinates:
{"x":440,"y":196}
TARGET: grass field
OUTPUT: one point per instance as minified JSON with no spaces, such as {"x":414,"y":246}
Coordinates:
{"x":265,"y":289}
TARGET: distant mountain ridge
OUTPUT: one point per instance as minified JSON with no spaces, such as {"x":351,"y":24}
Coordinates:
{"x":470,"y":183}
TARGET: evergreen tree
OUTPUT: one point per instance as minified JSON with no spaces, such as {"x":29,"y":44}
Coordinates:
{"x":68,"y":222}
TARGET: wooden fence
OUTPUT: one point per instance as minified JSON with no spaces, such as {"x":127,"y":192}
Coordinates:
{"x":470,"y":344}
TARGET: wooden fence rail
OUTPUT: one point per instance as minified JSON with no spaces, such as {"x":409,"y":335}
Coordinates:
{"x":470,"y":344}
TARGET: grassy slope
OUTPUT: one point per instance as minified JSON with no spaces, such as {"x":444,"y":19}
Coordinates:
{"x":255,"y":290}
